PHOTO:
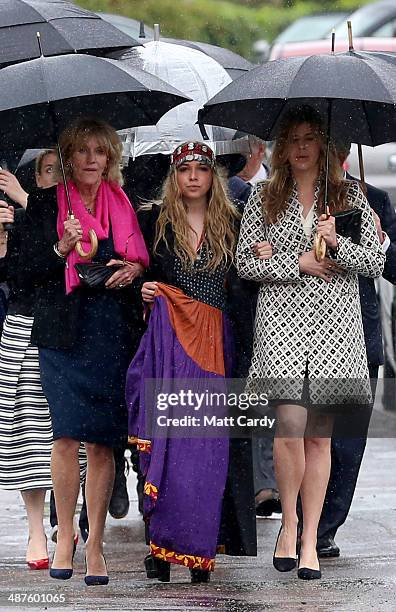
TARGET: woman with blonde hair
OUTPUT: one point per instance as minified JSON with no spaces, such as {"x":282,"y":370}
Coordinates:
{"x":191,"y":236}
{"x":86,"y":333}
{"x":309,"y":352}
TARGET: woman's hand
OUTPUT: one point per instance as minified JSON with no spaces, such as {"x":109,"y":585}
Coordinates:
{"x":72,"y":234}
{"x":148,"y":292}
{"x":6,"y":215}
{"x":12,"y":187}
{"x":326,"y":229}
{"x":262,"y":250}
{"x":378,"y":226}
{"x":325,"y":269}
{"x":125,"y":275}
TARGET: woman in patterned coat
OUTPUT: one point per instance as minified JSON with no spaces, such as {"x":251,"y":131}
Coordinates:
{"x":309,"y":350}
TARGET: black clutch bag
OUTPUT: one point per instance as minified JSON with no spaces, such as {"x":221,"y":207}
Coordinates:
{"x":94,"y":275}
{"x":348,"y":223}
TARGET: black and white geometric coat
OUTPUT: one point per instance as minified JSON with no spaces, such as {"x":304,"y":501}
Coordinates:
{"x":305,"y":325}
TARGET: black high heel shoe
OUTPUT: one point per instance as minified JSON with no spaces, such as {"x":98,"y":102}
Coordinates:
{"x":307,"y":573}
{"x":283,"y":564}
{"x":63,"y":574}
{"x":92,"y":580}
{"x":157,"y":568}
{"x":198,"y":576}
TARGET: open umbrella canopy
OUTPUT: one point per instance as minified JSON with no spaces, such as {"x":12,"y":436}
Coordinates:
{"x":234,"y":64}
{"x":64,"y":28}
{"x":357,"y":90}
{"x":41,"y":97}
{"x":199,"y":77}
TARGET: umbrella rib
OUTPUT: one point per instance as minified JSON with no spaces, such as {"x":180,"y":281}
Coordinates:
{"x":385,"y":88}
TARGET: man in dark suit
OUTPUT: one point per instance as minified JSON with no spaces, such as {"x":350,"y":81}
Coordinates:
{"x":347,"y":453}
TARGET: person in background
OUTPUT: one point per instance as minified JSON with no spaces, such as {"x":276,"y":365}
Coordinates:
{"x":346,"y":452}
{"x":255,"y":170}
{"x":25,"y":424}
{"x":45,"y":167}
{"x":267,"y":498}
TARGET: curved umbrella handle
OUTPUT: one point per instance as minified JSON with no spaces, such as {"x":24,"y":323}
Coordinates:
{"x":320,"y":248}
{"x":94,"y":246}
{"x":93,"y":240}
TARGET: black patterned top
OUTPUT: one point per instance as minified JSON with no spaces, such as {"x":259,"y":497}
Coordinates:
{"x":196,"y":281}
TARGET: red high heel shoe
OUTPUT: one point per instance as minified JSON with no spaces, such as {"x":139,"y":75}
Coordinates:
{"x":38,"y":564}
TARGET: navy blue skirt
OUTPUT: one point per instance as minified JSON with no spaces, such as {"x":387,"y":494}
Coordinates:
{"x":85,"y":385}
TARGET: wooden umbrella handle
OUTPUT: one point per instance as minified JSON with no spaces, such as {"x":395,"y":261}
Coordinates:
{"x":94,"y":246}
{"x":320,"y":246}
{"x":93,"y":240}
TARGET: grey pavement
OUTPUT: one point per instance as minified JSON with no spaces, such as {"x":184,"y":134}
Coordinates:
{"x":363,"y":578}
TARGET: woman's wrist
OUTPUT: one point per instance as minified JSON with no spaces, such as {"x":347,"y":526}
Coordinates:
{"x":58,"y":250}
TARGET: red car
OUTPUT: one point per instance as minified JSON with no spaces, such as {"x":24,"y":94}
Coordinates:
{"x":314,"y":47}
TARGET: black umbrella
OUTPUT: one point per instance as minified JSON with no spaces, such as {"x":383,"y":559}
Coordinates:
{"x":234,"y":64}
{"x":65,"y":28}
{"x":355,"y":89}
{"x":41,"y":97}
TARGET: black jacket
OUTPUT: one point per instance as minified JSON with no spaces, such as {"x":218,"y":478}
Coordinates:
{"x":380,"y":203}
{"x":55,"y":313}
{"x":22,"y":294}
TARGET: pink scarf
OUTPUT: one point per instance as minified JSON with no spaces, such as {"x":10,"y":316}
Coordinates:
{"x":112,"y":208}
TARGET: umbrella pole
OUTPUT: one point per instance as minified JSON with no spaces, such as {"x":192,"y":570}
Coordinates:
{"x":361,"y":170}
{"x":91,"y":233}
{"x":360,"y":151}
{"x":320,"y":246}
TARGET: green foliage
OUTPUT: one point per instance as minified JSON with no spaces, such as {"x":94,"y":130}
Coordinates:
{"x":222,"y":23}
{"x":235,"y":24}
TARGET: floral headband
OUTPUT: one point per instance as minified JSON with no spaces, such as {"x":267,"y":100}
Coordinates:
{"x":193,"y":151}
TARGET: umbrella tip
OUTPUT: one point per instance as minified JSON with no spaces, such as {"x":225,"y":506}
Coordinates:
{"x":349,"y":24}
{"x":39,"y":43}
{"x":157,"y":31}
{"x":142,"y":33}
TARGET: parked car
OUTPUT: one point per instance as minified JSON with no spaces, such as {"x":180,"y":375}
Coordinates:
{"x":380,"y":166}
{"x":310,"y":27}
{"x":320,"y":47}
{"x":374,"y":19}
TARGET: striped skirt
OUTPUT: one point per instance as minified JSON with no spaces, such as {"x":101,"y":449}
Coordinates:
{"x":25,"y":423}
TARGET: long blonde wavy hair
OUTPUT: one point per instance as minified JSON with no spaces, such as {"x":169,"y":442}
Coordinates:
{"x":74,"y":136}
{"x":276,"y":192}
{"x":219,"y":225}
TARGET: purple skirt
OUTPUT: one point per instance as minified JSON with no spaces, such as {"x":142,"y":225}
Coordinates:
{"x":185,"y":476}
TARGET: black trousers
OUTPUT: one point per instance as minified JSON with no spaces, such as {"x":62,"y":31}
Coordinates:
{"x":346,"y":458}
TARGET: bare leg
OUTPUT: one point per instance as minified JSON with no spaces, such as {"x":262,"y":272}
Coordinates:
{"x":37,"y":543}
{"x":289,"y":464}
{"x":314,"y":486}
{"x":98,"y":489}
{"x":66,"y":481}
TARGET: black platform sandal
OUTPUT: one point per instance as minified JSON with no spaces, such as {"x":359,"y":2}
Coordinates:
{"x":157,"y":568}
{"x":198,"y":575}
